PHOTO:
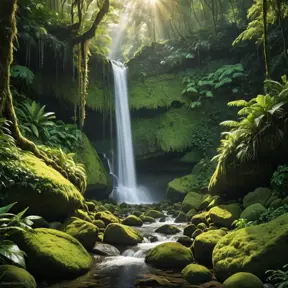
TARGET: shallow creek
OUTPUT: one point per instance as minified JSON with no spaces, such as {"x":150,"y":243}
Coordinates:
{"x":125,"y":270}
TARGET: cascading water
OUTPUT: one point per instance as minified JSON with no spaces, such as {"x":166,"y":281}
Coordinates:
{"x":126,"y":190}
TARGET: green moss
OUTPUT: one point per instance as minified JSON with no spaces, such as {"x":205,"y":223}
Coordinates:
{"x":168,"y":229}
{"x":192,"y":157}
{"x":50,"y":195}
{"x":259,"y":195}
{"x":253,"y":249}
{"x":196,"y":274}
{"x":192,"y":200}
{"x":156,"y":92}
{"x":85,"y":232}
{"x":82,"y":215}
{"x":96,"y":173}
{"x":200,"y":218}
{"x":106,"y":217}
{"x":53,"y":254}
{"x":192,"y":212}
{"x":243,"y":280}
{"x":189,"y":230}
{"x":225,"y":215}
{"x":132,"y":220}
{"x":96,"y":99}
{"x":185,"y":240}
{"x":154,"y":214}
{"x":179,"y":187}
{"x":120,"y":234}
{"x":137,"y":213}
{"x":202,"y":226}
{"x":204,"y":244}
{"x":99,"y":223}
{"x":169,"y":255}
{"x":16,"y":277}
{"x":253,"y":212}
{"x":147,"y":219}
{"x":196,"y":233}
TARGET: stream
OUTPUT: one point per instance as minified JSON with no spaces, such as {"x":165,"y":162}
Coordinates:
{"x":125,"y":270}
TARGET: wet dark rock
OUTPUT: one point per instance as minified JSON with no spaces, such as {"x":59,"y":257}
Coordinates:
{"x":105,"y":250}
{"x":185,"y":241}
{"x":168,"y":229}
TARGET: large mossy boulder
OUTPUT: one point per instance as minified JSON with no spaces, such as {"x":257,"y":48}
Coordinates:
{"x":192,"y":200}
{"x":53,"y":254}
{"x":85,"y":232}
{"x":52,"y":196}
{"x":253,"y":249}
{"x":147,"y":219}
{"x":107,"y":217}
{"x":169,"y":255}
{"x":253,"y":212}
{"x":200,"y":218}
{"x":119,"y":234}
{"x":204,"y":244}
{"x":155,"y":214}
{"x":259,"y":195}
{"x":15,"y":277}
{"x":179,"y":187}
{"x":196,"y":274}
{"x":225,"y":215}
{"x":243,"y":280}
{"x":132,"y":220}
{"x":97,"y":176}
{"x":168,"y":229}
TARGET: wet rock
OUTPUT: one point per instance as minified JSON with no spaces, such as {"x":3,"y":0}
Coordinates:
{"x":107,"y":217}
{"x":38,"y":222}
{"x":155,"y":214}
{"x":192,"y":200}
{"x":163,"y":219}
{"x":137,"y":213}
{"x":243,"y":280}
{"x":55,"y":225}
{"x":196,"y":233}
{"x":105,"y":250}
{"x":202,"y":226}
{"x":185,"y":241}
{"x":200,"y":218}
{"x":253,"y":212}
{"x":190,"y":214}
{"x":152,"y":281}
{"x":169,"y":255}
{"x":181,"y":218}
{"x":196,"y":274}
{"x":132,"y":220}
{"x":152,"y":238}
{"x":189,"y":230}
{"x":168,"y":229}
{"x":147,"y":219}
{"x":99,"y":223}
{"x":120,"y":234}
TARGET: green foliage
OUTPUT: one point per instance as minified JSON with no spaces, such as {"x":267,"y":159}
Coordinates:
{"x":9,"y":224}
{"x":23,"y":73}
{"x":279,"y":179}
{"x":278,"y":277}
{"x":8,"y":148}
{"x":228,"y":76}
{"x":261,"y":127}
{"x":271,"y":214}
{"x":241,"y":223}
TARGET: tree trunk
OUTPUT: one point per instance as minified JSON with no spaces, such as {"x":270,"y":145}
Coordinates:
{"x":265,"y":36}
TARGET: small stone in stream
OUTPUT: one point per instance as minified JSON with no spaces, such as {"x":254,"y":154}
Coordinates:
{"x":202,"y":226}
{"x":189,"y":230}
{"x":152,"y":238}
{"x":196,"y":233}
{"x":181,"y":218}
{"x":163,"y":219}
{"x":105,"y":250}
{"x":185,"y":241}
{"x":155,"y":214}
{"x":152,"y":281}
{"x":196,"y":274}
{"x":243,"y":280}
{"x":168,"y":229}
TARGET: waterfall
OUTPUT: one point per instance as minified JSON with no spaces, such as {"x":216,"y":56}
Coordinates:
{"x":127,"y":186}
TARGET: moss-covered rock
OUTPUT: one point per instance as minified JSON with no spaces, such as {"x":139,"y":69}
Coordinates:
{"x":276,"y":204}
{"x":192,"y":200}
{"x":97,"y":176}
{"x":200,"y":218}
{"x":243,"y":280}
{"x":190,"y":214}
{"x":99,"y":223}
{"x":39,"y":222}
{"x":137,"y":213}
{"x":179,"y":187}
{"x":85,"y":232}
{"x":132,"y":220}
{"x":105,"y":250}
{"x":16,"y":277}
{"x":225,"y":215}
{"x":106,"y":217}
{"x":120,"y":234}
{"x":189,"y":230}
{"x":181,"y":218}
{"x":202,"y":226}
{"x":259,"y":195}
{"x":196,"y":233}
{"x":197,"y":274}
{"x":207,"y":199}
{"x":253,"y":212}
{"x":147,"y":219}
{"x":185,"y":241}
{"x":53,"y":254}
{"x":79,"y":213}
{"x":204,"y":244}
{"x":169,"y":255}
{"x":253,"y":249}
{"x":54,"y":197}
{"x":155,"y":214}
{"x":168,"y":229}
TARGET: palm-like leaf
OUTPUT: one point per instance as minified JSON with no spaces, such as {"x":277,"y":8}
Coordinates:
{"x":11,"y":252}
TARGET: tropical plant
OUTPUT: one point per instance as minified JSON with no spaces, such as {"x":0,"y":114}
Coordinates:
{"x":33,"y":119}
{"x":22,"y":73}
{"x":278,"y":277}
{"x":271,"y":214}
{"x":262,"y":126}
{"x":279,"y":180}
{"x":9,"y":224}
{"x":241,"y":223}
{"x":8,"y":148}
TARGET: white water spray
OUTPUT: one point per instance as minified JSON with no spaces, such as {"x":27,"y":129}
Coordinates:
{"x":127,"y":190}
